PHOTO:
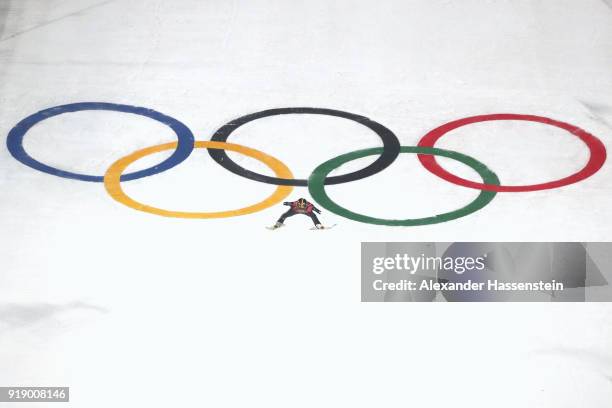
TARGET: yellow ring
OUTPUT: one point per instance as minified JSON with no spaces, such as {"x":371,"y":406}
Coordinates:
{"x":113,"y":184}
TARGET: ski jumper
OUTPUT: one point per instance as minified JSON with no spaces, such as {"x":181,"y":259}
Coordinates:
{"x":301,"y":206}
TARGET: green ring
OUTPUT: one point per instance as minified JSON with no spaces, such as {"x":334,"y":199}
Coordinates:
{"x":316,"y":186}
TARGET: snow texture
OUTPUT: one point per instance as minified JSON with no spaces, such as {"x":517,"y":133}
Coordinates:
{"x":131,"y":309}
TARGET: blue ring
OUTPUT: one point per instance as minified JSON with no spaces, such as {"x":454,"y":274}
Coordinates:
{"x":14,"y":141}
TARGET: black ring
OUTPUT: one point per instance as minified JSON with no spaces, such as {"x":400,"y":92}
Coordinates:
{"x":391,"y":146}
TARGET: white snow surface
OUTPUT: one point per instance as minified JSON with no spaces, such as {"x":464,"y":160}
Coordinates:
{"x":132,"y":309}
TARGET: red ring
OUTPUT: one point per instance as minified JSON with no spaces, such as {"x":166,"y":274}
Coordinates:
{"x":596,"y":148}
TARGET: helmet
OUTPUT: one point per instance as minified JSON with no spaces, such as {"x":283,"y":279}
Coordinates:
{"x":302,"y":203}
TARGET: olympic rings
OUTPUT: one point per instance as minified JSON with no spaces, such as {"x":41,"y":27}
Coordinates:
{"x":319,"y":178}
{"x":316,"y":186}
{"x":597,"y":152}
{"x":113,"y":185}
{"x":14,"y":141}
{"x":391,"y":146}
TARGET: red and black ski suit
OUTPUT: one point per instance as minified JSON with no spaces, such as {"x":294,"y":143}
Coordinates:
{"x":301,"y":207}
